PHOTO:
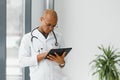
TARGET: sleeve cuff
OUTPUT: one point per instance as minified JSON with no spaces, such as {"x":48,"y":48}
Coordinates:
{"x":34,"y":60}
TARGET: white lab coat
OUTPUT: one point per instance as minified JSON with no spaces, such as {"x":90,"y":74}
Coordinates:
{"x":28,"y":51}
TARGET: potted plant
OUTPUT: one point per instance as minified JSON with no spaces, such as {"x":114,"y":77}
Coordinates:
{"x":105,"y":64}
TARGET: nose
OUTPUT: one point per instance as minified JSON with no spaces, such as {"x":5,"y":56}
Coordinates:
{"x":51,"y":27}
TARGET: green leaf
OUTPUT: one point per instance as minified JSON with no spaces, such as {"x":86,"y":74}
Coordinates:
{"x":105,"y":63}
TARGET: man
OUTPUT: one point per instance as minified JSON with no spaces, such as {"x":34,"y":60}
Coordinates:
{"x":35,"y":46}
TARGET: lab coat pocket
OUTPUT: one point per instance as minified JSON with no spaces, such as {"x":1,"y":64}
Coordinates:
{"x":38,"y":74}
{"x":33,"y":69}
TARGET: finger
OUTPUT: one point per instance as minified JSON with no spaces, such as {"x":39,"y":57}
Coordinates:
{"x":56,"y":54}
{"x":63,"y":55}
{"x":52,"y":56}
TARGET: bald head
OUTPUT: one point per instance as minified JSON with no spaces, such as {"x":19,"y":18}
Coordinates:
{"x":49,"y":13}
{"x":48,"y":21}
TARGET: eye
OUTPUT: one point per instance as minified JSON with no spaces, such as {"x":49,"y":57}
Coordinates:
{"x":51,"y":25}
{"x":48,"y":24}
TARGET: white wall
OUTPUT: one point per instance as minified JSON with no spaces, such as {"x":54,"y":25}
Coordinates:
{"x":37,"y":8}
{"x":85,"y":25}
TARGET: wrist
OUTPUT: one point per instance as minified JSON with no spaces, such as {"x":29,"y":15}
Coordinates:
{"x":62,"y":65}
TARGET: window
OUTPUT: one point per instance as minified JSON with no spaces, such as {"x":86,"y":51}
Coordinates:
{"x":15,"y":30}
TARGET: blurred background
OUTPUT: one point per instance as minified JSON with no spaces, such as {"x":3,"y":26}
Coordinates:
{"x":85,"y":24}
{"x":14,"y":33}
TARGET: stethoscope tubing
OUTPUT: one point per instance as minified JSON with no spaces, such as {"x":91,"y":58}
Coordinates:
{"x":33,"y":36}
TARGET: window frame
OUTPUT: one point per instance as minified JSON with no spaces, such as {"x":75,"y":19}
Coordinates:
{"x":3,"y":36}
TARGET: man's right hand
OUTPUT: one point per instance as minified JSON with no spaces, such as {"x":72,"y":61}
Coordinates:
{"x":41,"y":56}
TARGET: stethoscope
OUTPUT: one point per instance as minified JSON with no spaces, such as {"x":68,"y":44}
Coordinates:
{"x":33,"y":36}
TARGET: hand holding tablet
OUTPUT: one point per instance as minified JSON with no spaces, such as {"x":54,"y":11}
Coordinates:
{"x":59,"y":51}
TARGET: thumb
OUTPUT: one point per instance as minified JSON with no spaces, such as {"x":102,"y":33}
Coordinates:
{"x":64,"y":53}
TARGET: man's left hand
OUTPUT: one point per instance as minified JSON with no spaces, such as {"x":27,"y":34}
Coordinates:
{"x":57,"y":58}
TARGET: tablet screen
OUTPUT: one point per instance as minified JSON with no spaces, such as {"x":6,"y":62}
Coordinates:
{"x":59,"y":51}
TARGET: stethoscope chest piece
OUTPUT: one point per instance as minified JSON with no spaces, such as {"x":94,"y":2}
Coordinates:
{"x":56,"y":43}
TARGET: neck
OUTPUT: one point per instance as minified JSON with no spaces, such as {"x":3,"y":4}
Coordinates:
{"x":42,"y":31}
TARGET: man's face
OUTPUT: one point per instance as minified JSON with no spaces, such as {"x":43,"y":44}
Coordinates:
{"x":48,"y":24}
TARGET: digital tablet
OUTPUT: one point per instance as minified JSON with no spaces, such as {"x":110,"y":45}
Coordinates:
{"x":59,"y":51}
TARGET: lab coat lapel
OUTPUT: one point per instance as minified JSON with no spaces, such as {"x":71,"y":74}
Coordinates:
{"x":50,"y":35}
{"x":40,"y":35}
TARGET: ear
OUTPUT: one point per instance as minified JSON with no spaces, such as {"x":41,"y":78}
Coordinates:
{"x":41,"y":18}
